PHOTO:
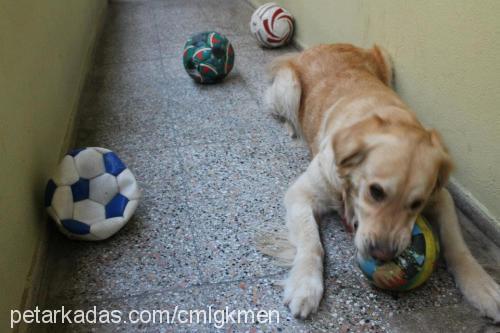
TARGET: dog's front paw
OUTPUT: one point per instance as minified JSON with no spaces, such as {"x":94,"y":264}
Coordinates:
{"x":480,"y":290}
{"x":303,"y":292}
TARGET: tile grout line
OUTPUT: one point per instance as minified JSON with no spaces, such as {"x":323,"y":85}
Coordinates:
{"x":105,"y":64}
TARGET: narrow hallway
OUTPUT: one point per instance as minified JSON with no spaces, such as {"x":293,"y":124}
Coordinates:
{"x":213,"y":167}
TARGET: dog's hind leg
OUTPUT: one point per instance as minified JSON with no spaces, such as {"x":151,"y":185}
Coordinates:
{"x":283,"y":96}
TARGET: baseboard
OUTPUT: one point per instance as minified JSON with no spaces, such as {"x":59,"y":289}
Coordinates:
{"x":35,"y":291}
{"x":475,"y":211}
{"x":33,"y":288}
{"x":298,"y":45}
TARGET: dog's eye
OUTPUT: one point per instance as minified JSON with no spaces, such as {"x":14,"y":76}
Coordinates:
{"x":377,"y":192}
{"x":416,"y":204}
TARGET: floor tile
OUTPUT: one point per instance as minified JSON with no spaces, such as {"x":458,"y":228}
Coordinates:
{"x":219,"y":113}
{"x":118,"y":85}
{"x":452,"y":318}
{"x":234,"y":191}
{"x":129,"y":34}
{"x":176,"y":22}
{"x":226,"y":15}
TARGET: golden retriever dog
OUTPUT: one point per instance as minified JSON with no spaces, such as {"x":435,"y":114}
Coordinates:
{"x":373,"y":161}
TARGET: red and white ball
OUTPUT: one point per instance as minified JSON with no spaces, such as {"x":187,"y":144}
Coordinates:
{"x":272,"y":25}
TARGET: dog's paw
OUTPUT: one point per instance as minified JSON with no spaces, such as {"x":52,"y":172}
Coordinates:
{"x":480,"y":290}
{"x":303,"y":292}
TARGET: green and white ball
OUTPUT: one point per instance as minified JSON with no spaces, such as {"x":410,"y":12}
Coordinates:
{"x":208,"y":57}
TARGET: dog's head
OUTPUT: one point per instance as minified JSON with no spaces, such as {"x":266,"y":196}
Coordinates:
{"x":389,"y":171}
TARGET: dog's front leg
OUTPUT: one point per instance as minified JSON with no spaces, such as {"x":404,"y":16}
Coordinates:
{"x":478,"y":287}
{"x":304,"y":285}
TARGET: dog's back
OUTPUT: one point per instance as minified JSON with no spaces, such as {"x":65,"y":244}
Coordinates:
{"x":307,"y":84}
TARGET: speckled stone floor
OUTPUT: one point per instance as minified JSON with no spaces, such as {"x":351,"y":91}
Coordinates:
{"x":213,"y":167}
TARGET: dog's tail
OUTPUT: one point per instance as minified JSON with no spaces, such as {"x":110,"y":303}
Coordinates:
{"x":283,"y":96}
{"x":281,"y":61}
{"x":276,"y":245}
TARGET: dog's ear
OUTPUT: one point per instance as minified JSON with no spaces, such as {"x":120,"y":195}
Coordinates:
{"x":445,"y":164}
{"x":384,"y":64}
{"x":349,"y":144}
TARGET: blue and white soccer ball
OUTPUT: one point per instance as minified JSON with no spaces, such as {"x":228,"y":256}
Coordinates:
{"x":92,"y":194}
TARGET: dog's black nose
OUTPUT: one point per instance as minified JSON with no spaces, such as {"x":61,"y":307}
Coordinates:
{"x":382,"y":253}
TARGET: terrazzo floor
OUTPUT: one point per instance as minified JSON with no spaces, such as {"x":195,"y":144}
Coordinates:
{"x":213,"y":167}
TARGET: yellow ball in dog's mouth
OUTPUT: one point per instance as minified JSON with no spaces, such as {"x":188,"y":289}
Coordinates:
{"x":412,"y":267}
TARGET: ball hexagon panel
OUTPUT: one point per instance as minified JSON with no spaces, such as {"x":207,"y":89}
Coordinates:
{"x":66,"y":174}
{"x":62,"y":202}
{"x":49,"y":192}
{"x":130,"y":209}
{"x":116,"y":207}
{"x":89,"y":163}
{"x":128,"y":185}
{"x":80,"y":190}
{"x":76,"y":151}
{"x":103,"y":188}
{"x":113,"y":164}
{"x":75,"y":227}
{"x":108,"y":227}
{"x":101,"y":150}
{"x":89,"y":212}
{"x":53,"y":214}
